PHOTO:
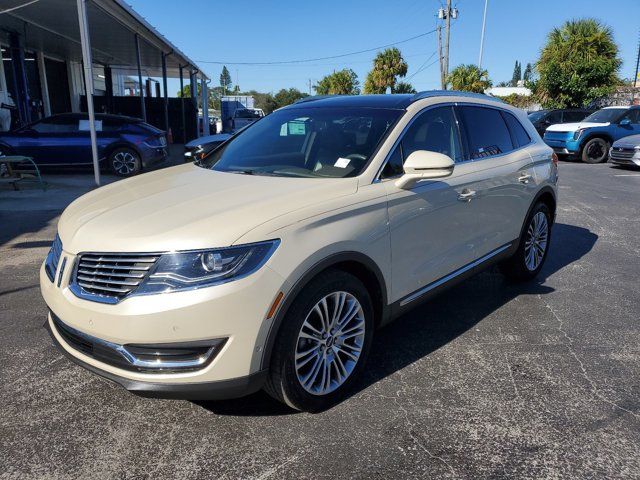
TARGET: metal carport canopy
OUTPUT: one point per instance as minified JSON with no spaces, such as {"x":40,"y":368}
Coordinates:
{"x":51,"y":26}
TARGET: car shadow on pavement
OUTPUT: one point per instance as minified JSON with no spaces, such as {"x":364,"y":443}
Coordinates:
{"x":434,"y":324}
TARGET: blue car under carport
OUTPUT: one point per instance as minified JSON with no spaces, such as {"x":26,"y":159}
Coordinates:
{"x":126,"y":145}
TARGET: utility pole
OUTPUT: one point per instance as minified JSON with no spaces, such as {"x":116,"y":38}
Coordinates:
{"x":309,"y":86}
{"x":447,"y":14}
{"x":442,"y":79}
{"x":484,"y":22}
{"x":635,"y":79}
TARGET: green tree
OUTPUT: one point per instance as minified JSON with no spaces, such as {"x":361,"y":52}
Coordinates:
{"x":517,"y":74}
{"x":388,"y":66}
{"x":225,"y":79}
{"x":343,"y":82}
{"x":578,"y":64}
{"x":287,"y":96}
{"x":404,"y":87}
{"x":528,"y":73}
{"x":469,"y":78}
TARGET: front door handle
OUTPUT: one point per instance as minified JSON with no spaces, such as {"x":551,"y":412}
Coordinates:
{"x":524,"y":178}
{"x":466,"y":195}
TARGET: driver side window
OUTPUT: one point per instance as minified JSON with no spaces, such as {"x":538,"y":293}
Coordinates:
{"x":633,"y":115}
{"x":435,"y":130}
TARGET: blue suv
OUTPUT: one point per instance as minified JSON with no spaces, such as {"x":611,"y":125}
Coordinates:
{"x":591,"y":138}
{"x":125,"y":145}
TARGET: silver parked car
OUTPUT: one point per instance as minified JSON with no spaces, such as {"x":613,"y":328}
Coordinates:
{"x":626,"y":151}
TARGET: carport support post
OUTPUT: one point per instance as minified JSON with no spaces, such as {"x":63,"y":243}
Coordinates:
{"x":184,"y":125}
{"x":143,"y":110}
{"x":166,"y":95}
{"x":88,"y":80}
{"x":205,"y":106}
{"x":194,"y":99}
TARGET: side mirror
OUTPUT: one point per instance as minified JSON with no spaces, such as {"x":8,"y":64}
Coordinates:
{"x":625,"y":122}
{"x":423,"y":165}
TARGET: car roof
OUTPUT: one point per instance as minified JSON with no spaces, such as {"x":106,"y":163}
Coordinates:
{"x":397,"y":101}
{"x":99,"y":116}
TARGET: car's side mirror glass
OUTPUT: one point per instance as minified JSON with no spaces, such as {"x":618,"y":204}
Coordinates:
{"x":423,"y":165}
{"x":625,"y":122}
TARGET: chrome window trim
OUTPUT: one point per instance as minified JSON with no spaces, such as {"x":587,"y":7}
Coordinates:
{"x":377,"y":178}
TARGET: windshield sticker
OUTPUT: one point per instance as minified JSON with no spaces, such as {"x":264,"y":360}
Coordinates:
{"x":342,"y":162}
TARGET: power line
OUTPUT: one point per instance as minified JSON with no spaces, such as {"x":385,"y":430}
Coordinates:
{"x":422,"y":67}
{"x":320,"y":58}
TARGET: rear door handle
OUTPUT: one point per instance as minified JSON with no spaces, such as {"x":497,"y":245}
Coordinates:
{"x":524,"y":178}
{"x":466,"y":195}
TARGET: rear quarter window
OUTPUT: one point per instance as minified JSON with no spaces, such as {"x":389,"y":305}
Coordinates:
{"x":519,"y":134}
{"x":487,"y":132}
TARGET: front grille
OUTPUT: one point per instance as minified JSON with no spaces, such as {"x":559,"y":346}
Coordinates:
{"x":110,"y":277}
{"x":623,"y":153}
{"x":53,"y":257}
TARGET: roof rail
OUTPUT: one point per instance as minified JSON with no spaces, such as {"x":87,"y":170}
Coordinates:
{"x":312,"y":98}
{"x":452,"y":93}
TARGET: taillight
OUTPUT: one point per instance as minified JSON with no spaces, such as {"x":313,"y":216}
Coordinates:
{"x":554,"y":158}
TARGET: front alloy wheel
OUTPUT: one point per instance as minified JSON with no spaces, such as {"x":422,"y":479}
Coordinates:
{"x":323,"y":342}
{"x":595,"y":150}
{"x":125,"y":162}
{"x":329,"y":343}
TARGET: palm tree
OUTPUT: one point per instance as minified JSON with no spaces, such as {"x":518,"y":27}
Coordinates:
{"x":469,"y":78}
{"x":578,"y":64}
{"x":387,"y":67}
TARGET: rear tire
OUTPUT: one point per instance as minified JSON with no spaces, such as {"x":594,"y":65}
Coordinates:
{"x":529,"y":258}
{"x":125,"y":162}
{"x":595,"y":150}
{"x":315,"y":361}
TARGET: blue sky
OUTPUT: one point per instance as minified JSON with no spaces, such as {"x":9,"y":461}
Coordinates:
{"x":269,"y":30}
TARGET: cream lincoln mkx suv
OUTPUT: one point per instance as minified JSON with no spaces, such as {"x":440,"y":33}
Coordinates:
{"x":271,"y":262}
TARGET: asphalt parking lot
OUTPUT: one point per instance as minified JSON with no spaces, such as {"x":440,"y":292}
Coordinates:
{"x":490,"y":380}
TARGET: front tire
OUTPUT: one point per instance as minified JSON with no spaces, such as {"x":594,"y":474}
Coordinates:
{"x":125,"y":162}
{"x":323,"y":343}
{"x":532,"y":250}
{"x":595,"y":150}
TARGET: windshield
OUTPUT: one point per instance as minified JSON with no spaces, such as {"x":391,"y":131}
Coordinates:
{"x":606,"y":115}
{"x":306,"y":142}
{"x":535,"y":116}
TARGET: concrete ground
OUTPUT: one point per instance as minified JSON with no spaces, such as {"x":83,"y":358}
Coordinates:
{"x":489,"y":380}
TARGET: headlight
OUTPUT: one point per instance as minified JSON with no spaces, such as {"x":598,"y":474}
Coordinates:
{"x":578,"y":133}
{"x":204,"y":268}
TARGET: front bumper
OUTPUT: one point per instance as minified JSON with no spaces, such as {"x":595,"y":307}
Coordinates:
{"x":562,"y":143}
{"x":154,"y":155}
{"x":235,"y":311}
{"x":219,"y":390}
{"x":624,"y":156}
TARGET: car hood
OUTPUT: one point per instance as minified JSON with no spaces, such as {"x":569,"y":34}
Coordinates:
{"x":220,"y":137}
{"x":572,"y":127}
{"x":631,"y":141}
{"x":187,"y":207}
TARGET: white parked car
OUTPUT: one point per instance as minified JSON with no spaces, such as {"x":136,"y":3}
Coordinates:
{"x":272,"y":263}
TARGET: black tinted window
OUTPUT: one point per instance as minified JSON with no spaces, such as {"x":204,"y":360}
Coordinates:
{"x":393,"y":168}
{"x":570,"y":117}
{"x":633,"y":115}
{"x":519,"y":134}
{"x":56,"y":125}
{"x":554,"y":117}
{"x":434,"y":130}
{"x":487,"y":133}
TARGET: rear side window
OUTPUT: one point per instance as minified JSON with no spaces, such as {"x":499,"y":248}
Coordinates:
{"x":570,"y":117}
{"x":487,"y":133}
{"x":519,"y":134}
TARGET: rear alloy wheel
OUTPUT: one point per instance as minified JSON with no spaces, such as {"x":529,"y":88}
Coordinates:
{"x":125,"y":162}
{"x":595,"y":150}
{"x":323,"y":343}
{"x":532,"y":250}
